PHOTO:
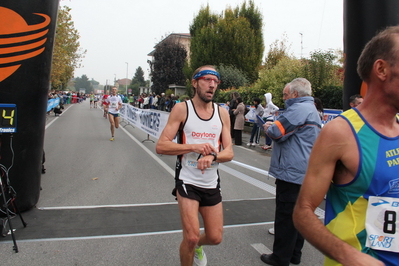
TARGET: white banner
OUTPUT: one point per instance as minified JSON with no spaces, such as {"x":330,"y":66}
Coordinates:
{"x":148,"y":120}
{"x":153,"y":121}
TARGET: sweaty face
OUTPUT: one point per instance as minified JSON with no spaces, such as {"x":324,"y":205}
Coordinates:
{"x":206,"y":88}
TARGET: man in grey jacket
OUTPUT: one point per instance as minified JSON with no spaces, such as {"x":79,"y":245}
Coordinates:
{"x":293,"y":133}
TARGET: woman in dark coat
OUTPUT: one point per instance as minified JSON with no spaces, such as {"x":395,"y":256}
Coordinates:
{"x":239,"y":121}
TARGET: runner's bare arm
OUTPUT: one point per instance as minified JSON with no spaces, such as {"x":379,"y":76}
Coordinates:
{"x":330,"y":147}
{"x":165,"y":144}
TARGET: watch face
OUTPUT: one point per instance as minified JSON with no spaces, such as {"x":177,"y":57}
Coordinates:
{"x":8,"y":118}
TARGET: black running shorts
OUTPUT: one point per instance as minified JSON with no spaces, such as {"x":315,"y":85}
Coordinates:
{"x":205,"y":196}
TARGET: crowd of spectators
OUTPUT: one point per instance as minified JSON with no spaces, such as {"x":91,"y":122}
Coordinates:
{"x":154,"y":101}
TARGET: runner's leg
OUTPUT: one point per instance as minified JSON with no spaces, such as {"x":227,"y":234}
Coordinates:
{"x":213,"y":225}
{"x":189,"y":217}
{"x":112,"y":122}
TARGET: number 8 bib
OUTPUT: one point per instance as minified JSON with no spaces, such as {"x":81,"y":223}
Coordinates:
{"x":382,"y":223}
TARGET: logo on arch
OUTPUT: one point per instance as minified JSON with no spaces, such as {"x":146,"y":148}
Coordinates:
{"x":19,"y":41}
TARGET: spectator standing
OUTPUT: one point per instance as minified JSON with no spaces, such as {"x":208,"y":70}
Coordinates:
{"x":255,"y":128}
{"x":293,"y":133}
{"x":155,"y":102}
{"x":232,"y":106}
{"x":146,"y":101}
{"x":162,"y":100}
{"x":171,"y":103}
{"x":239,"y":121}
{"x":319,"y":107}
{"x":269,"y":112}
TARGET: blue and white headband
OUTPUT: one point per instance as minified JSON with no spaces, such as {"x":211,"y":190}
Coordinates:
{"x":206,"y":72}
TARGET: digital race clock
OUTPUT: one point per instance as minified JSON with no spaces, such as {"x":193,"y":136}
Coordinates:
{"x":8,"y":118}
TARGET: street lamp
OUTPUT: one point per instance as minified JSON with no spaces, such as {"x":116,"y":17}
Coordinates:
{"x":127,"y":74}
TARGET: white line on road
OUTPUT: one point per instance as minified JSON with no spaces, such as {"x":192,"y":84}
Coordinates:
{"x":262,"y":249}
{"x":52,"y":121}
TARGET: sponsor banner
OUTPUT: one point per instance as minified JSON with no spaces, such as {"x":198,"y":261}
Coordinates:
{"x":330,"y":114}
{"x":153,"y":121}
{"x":148,"y":120}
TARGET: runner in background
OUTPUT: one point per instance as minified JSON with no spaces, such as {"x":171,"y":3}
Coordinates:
{"x":105,"y":104}
{"x":114,"y":103}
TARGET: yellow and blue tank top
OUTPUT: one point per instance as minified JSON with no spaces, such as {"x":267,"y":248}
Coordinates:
{"x":377,"y":175}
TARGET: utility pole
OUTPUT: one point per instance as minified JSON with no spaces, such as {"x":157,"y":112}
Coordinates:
{"x":127,"y":74}
{"x":301,"y":43}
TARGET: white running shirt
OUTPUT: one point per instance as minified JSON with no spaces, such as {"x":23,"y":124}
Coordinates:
{"x":196,"y":131}
{"x":113,"y":103}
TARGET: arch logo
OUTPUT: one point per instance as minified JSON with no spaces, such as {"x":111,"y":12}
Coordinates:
{"x":19,"y":41}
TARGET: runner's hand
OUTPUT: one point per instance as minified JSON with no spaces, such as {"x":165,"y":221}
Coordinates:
{"x":205,"y":162}
{"x":204,"y":149}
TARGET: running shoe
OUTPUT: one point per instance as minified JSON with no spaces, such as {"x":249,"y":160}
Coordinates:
{"x":200,"y":257}
{"x":271,"y":231}
{"x":112,"y":139}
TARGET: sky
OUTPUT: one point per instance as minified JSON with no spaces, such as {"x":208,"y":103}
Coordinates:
{"x":119,"y":34}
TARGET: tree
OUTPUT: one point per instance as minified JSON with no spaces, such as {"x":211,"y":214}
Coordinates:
{"x":83,"y":83}
{"x":137,"y":81}
{"x":168,"y":64}
{"x":234,"y":38}
{"x":274,"y":79}
{"x":278,"y":51}
{"x":323,"y":70}
{"x":231,"y":77}
{"x":66,"y":54}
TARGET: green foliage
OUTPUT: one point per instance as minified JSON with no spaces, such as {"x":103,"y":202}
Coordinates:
{"x":331,"y":97}
{"x":278,"y":51}
{"x":231,"y":77}
{"x":137,"y":81}
{"x":322,"y":70}
{"x":234,"y":38}
{"x":274,"y":79}
{"x":139,"y":77}
{"x":169,"y":92}
{"x":168,"y":64}
{"x":83,"y":83}
{"x":66,"y":53}
{"x":183,"y":98}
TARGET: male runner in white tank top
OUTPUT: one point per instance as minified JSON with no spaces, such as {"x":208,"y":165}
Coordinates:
{"x":114,"y":103}
{"x":204,"y":129}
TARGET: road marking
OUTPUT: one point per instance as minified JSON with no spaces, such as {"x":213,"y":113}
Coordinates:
{"x":262,"y":249}
{"x":262,"y":185}
{"x":155,"y":157}
{"x":248,"y":179}
{"x":52,"y":121}
{"x":233,"y":172}
{"x":124,"y":235}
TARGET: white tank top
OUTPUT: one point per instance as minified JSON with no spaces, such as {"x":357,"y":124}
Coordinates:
{"x":195,"y":131}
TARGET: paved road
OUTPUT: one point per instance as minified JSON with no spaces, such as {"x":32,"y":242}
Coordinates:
{"x":109,"y":203}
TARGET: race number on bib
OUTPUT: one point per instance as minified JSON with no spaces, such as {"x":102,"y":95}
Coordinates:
{"x":192,"y":160}
{"x":113,"y":104}
{"x":382,"y":224}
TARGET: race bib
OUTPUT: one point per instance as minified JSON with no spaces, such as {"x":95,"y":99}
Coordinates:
{"x":382,"y":224}
{"x":192,"y":160}
{"x":113,"y":104}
